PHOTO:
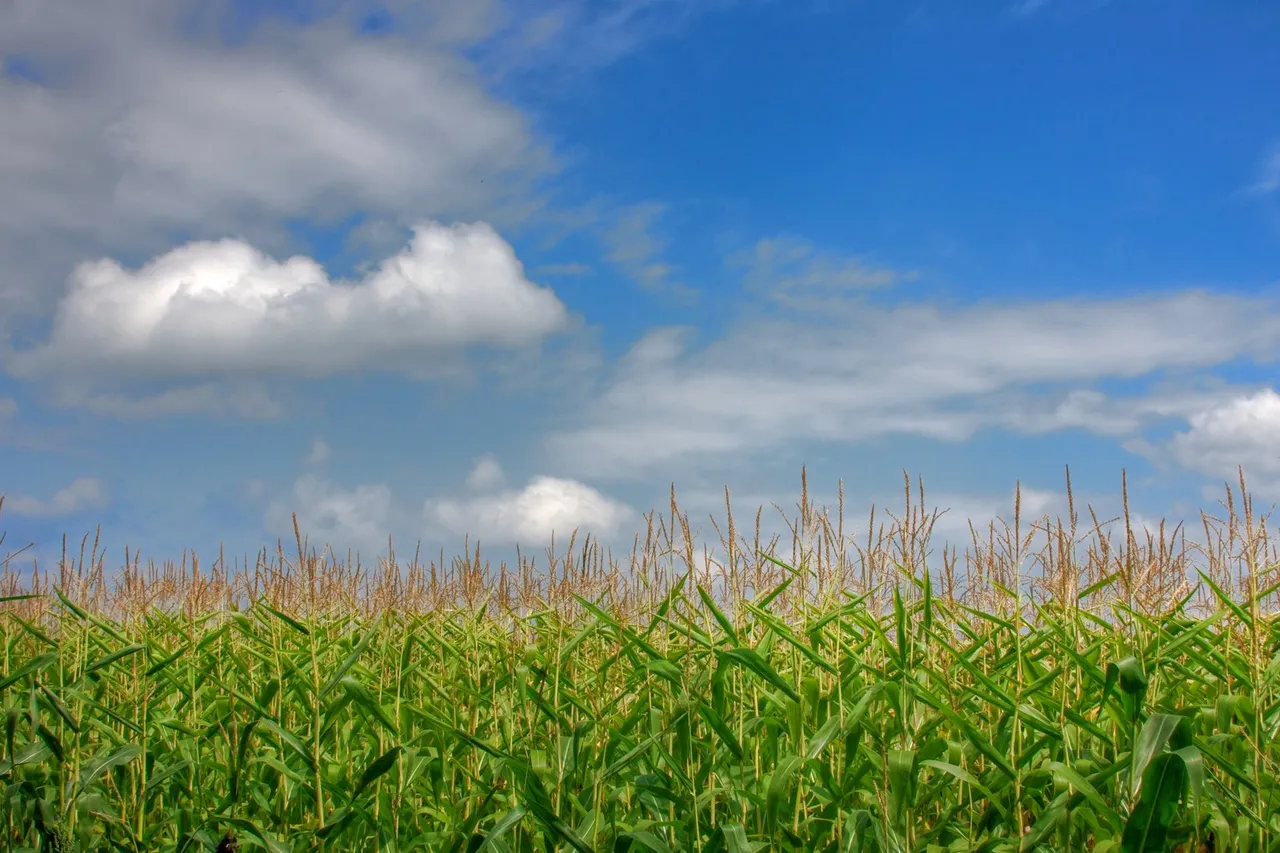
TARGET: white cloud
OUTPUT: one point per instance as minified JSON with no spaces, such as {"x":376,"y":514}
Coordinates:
{"x":530,"y":516}
{"x":1085,"y":408}
{"x":83,"y":493}
{"x":351,"y":125}
{"x":1269,"y":175}
{"x":135,"y":119}
{"x":486,"y":475}
{"x":913,"y":369}
{"x":328,"y":515}
{"x":319,"y":453}
{"x":1244,"y":432}
{"x":224,"y":308}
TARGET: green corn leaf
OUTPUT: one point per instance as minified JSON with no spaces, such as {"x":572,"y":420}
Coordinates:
{"x":1163,"y":787}
{"x":30,"y":667}
{"x":1155,"y":734}
{"x":502,"y":827}
{"x":379,"y":767}
{"x":751,"y":660}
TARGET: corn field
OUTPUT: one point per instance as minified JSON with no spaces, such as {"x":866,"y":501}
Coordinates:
{"x":1088,"y":696}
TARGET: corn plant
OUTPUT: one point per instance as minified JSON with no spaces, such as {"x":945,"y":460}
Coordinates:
{"x":1120,"y":703}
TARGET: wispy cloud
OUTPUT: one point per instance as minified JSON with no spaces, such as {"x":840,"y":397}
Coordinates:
{"x":233,"y":399}
{"x":634,"y":246}
{"x":562,"y":269}
{"x":83,"y":493}
{"x":913,"y":369}
{"x":319,"y":453}
{"x":1028,"y":7}
{"x":1268,"y":174}
{"x":560,"y":37}
{"x":795,"y":273}
{"x":360,"y":518}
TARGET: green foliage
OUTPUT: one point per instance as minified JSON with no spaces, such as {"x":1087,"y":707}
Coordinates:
{"x":929,"y":727}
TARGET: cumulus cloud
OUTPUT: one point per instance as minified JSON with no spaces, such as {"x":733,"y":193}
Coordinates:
{"x":530,"y":516}
{"x":358,"y":518}
{"x":84,"y":493}
{"x":1242,"y":433}
{"x":912,"y":369}
{"x":127,"y":121}
{"x":226,"y":309}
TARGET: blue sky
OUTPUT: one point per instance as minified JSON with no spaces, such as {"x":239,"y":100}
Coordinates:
{"x":428,"y":269}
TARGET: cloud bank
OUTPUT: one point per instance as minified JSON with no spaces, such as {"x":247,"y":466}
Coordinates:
{"x":913,"y":369}
{"x":129,"y":120}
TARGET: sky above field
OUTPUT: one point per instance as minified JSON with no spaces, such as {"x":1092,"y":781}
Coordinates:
{"x":428,"y":269}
